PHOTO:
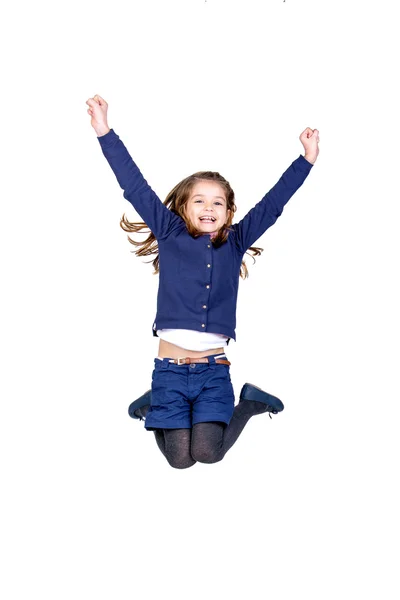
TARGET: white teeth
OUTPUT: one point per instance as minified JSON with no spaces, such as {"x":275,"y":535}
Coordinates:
{"x":211,"y":219}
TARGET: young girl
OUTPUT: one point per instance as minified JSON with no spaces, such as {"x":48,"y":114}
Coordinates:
{"x":199,"y":253}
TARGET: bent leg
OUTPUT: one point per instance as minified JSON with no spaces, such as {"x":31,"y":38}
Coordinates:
{"x":208,"y":442}
{"x":211,"y":441}
{"x":175,"y":445}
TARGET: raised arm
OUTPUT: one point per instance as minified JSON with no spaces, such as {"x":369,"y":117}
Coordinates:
{"x":266,"y":212}
{"x":136,"y":189}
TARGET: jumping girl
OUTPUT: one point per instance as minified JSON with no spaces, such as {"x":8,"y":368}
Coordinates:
{"x":199,"y":258}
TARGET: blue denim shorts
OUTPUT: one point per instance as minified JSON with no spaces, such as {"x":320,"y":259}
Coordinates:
{"x":183,"y":395}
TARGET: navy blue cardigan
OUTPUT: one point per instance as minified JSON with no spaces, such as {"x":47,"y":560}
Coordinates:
{"x":198,"y":283}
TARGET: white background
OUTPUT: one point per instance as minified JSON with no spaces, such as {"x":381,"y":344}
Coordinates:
{"x":304,"y":505}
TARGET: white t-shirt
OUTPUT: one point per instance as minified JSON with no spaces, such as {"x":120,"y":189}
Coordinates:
{"x":193,"y":340}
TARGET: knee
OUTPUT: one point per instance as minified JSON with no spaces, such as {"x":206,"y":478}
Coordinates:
{"x":207,"y":454}
{"x":180,"y":462}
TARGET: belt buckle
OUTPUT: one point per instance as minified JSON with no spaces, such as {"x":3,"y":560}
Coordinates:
{"x":181,"y":361}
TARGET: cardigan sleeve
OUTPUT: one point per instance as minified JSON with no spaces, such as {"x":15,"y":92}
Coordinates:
{"x":158,"y":218}
{"x":266,"y":212}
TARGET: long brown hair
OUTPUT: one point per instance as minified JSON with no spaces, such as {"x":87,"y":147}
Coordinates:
{"x":176,"y":202}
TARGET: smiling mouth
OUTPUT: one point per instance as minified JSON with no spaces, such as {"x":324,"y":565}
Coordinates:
{"x":208,"y":219}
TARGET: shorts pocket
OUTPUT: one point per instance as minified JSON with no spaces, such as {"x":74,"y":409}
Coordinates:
{"x":159,"y":386}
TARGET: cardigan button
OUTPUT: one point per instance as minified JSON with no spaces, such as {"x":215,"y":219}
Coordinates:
{"x":208,"y":265}
{"x":208,"y":287}
{"x":208,"y":246}
{"x":202,"y":325}
{"x":204,"y":306}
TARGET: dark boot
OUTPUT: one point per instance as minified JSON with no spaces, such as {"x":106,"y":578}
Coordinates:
{"x":134,"y":408}
{"x":252,"y":392}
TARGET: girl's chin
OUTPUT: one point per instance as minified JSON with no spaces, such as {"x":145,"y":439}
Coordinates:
{"x":208,"y":230}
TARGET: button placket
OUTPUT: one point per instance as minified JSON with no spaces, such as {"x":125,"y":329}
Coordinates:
{"x":204,"y":302}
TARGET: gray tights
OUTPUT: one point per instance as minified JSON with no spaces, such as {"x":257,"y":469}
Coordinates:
{"x":205,"y":442}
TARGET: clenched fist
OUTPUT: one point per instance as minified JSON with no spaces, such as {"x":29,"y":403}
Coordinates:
{"x":310,"y":139}
{"x":98,"y":111}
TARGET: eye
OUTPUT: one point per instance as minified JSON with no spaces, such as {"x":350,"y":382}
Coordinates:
{"x":198,"y":201}
{"x":220,"y":203}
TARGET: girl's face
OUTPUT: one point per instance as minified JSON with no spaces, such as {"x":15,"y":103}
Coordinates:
{"x":206,"y":207}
